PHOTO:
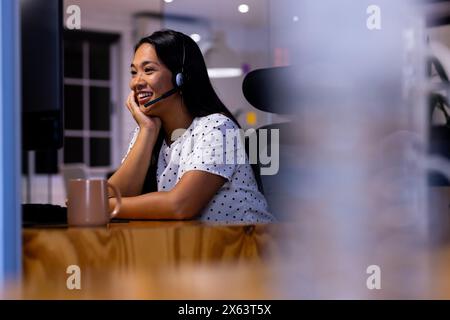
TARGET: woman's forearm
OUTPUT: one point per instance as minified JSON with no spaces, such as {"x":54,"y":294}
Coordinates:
{"x":130,"y":176}
{"x":185,"y":201}
{"x":155,"y":205}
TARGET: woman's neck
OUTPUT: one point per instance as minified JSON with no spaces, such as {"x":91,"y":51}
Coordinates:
{"x":181,"y":119}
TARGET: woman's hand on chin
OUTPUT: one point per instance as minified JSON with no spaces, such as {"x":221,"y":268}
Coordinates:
{"x":152,"y":124}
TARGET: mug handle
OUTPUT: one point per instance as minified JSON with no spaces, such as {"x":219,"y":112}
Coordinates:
{"x":118,"y":200}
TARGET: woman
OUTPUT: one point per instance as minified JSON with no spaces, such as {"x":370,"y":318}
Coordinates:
{"x":170,"y":173}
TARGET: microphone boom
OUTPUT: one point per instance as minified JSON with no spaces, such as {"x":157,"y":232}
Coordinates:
{"x":164,"y":96}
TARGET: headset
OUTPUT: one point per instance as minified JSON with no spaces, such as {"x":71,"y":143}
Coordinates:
{"x":178,"y":80}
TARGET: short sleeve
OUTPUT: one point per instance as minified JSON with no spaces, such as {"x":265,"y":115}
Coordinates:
{"x":133,"y":140}
{"x":217,"y":147}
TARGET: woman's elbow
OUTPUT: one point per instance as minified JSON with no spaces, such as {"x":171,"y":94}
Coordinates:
{"x":183,"y":210}
{"x":185,"y":213}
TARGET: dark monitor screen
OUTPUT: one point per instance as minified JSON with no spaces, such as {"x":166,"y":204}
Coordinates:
{"x":42,"y":74}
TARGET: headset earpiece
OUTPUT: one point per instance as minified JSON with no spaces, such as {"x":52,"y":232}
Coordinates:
{"x":179,"y":79}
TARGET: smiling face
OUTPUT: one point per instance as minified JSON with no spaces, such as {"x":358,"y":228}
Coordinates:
{"x":150,"y":78}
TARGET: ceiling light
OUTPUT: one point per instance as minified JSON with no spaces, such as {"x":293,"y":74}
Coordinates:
{"x":224,"y":72}
{"x":243,"y":8}
{"x":196,"y":37}
{"x":295,"y":18}
{"x":168,"y":1}
{"x":222,"y":61}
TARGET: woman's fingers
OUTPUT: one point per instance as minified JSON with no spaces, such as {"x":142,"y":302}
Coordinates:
{"x":133,"y":103}
{"x":139,"y":114}
{"x":129,"y":103}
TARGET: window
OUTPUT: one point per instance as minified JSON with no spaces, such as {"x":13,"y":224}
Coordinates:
{"x":89,"y":84}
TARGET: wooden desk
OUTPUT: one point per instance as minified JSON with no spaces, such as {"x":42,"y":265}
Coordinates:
{"x":192,"y":260}
{"x":148,"y":259}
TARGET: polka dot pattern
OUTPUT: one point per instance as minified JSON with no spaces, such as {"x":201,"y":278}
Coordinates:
{"x":203,"y":147}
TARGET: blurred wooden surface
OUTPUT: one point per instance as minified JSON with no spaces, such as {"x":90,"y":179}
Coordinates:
{"x":143,"y":252}
{"x":192,"y":260}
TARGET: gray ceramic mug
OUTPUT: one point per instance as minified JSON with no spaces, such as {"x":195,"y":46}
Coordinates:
{"x":88,"y":203}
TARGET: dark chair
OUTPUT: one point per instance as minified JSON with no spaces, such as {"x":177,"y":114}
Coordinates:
{"x":267,"y":90}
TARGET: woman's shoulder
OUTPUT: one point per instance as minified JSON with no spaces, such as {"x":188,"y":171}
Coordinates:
{"x":216,"y":120}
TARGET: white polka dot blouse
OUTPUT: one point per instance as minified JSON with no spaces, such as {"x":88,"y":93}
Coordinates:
{"x":213,"y":144}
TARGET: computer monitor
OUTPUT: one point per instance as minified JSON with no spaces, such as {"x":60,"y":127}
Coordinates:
{"x":42,"y":74}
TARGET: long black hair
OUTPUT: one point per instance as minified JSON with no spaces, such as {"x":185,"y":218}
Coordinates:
{"x":179,"y":53}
